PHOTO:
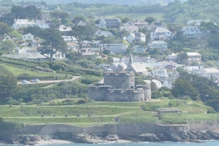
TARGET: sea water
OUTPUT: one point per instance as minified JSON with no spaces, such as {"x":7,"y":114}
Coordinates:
{"x":207,"y":143}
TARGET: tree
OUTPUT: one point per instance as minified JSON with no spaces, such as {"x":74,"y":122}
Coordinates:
{"x":59,"y":14}
{"x":53,"y":42}
{"x":82,"y":33}
{"x":32,"y":12}
{"x":7,"y":85}
{"x":4,"y":29}
{"x":183,"y":88}
{"x":19,"y":12}
{"x":79,"y":18}
{"x":34,"y":30}
{"x":8,"y":46}
{"x":8,"y":19}
{"x":149,"y":19}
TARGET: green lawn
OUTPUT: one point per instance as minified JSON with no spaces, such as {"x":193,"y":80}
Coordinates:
{"x":99,"y":113}
{"x":16,"y":71}
{"x":137,"y":16}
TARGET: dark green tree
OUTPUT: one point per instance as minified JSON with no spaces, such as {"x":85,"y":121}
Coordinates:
{"x":4,"y":29}
{"x":79,"y":18}
{"x":19,"y":12}
{"x":183,"y":88}
{"x":82,"y":33}
{"x":149,"y":19}
{"x":7,"y":85}
{"x":53,"y":42}
{"x":32,"y":12}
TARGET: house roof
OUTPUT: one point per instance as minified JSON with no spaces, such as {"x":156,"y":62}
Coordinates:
{"x":190,"y":28}
{"x":103,"y":33}
{"x":24,"y":21}
{"x":161,"y":30}
{"x":211,"y":70}
{"x":138,"y":67}
{"x":193,"y":54}
{"x":64,"y":28}
{"x":159,"y":42}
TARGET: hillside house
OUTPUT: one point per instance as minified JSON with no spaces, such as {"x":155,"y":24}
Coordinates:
{"x":193,"y":57}
{"x":117,"y":48}
{"x":129,"y":28}
{"x":161,"y":45}
{"x":63,"y":28}
{"x":108,"y":23}
{"x":136,"y":37}
{"x":191,"y":31}
{"x":100,"y":33}
{"x":42,"y":24}
{"x":20,"y":23}
{"x":28,"y":37}
{"x":161,"y":33}
{"x":196,"y":22}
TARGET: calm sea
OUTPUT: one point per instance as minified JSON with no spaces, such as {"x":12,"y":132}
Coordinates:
{"x":209,"y":143}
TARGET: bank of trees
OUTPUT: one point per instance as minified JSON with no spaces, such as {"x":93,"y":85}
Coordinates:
{"x":197,"y":88}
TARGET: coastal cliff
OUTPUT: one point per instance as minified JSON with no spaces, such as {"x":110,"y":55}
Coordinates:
{"x":139,"y":132}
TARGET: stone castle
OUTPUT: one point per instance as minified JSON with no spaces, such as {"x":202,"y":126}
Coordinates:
{"x":119,"y":87}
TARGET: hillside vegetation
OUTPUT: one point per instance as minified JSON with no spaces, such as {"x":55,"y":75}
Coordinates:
{"x":192,"y":9}
{"x":98,"y":113}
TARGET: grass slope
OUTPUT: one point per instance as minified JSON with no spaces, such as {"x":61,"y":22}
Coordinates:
{"x":98,"y":113}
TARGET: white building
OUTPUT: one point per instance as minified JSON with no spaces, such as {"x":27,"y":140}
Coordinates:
{"x":117,"y":48}
{"x":42,"y":24}
{"x":103,"y":33}
{"x":191,"y":31}
{"x":28,"y":37}
{"x":20,"y":23}
{"x":136,"y":37}
{"x":64,"y":28}
{"x":129,"y":28}
{"x":162,"y":45}
{"x":161,"y":33}
{"x":196,"y":22}
{"x":108,"y":23}
{"x":193,"y":57}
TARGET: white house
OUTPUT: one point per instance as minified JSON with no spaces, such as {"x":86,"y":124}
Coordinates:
{"x":103,"y":33}
{"x":58,"y":55}
{"x":162,"y":45}
{"x":64,"y":28}
{"x":191,"y":31}
{"x":129,"y":28}
{"x":42,"y":24}
{"x":108,"y":23}
{"x":20,"y":23}
{"x":117,"y":48}
{"x":28,"y":37}
{"x":138,"y":49}
{"x":161,"y":33}
{"x":211,"y":73}
{"x":136,"y":37}
{"x":193,"y":57}
{"x":196,"y":22}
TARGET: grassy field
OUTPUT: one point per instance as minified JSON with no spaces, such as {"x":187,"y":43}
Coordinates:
{"x":137,"y":16}
{"x":98,"y":113}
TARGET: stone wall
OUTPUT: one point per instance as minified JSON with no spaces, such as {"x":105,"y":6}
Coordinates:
{"x":109,"y":129}
{"x":120,"y":80}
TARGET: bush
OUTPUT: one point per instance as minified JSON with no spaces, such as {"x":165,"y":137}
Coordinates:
{"x":210,"y":110}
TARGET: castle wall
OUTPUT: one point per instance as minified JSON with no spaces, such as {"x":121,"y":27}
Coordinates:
{"x":130,"y":95}
{"x":147,"y":91}
{"x":119,"y":80}
{"x":98,"y":93}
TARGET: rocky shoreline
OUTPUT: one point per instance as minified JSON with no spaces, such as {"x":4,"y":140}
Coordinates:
{"x":68,"y":138}
{"x":121,"y":133}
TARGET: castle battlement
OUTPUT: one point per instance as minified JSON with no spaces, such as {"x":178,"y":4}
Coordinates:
{"x":119,"y":87}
